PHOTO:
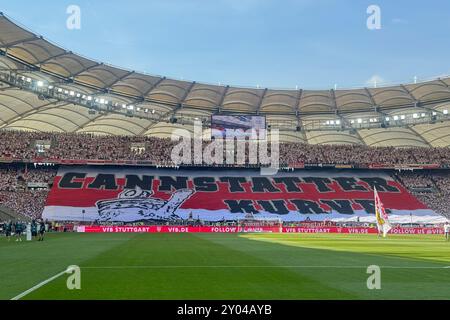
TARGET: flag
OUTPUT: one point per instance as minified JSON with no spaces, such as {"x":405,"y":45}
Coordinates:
{"x":381,"y":215}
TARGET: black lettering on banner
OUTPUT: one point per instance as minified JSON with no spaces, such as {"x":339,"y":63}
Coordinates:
{"x":379,"y":183}
{"x":319,"y":182}
{"x":133,"y":181}
{"x":274,"y":206}
{"x":290,"y":183}
{"x":234,"y":183}
{"x":307,"y":207}
{"x":104,"y":181}
{"x":67,"y":180}
{"x":368,"y":205}
{"x":263,"y":184}
{"x":206,"y":184}
{"x":341,"y":206}
{"x":349,"y":184}
{"x":241,"y":206}
{"x":167,"y":183}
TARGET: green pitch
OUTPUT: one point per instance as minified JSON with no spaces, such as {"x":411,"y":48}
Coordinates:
{"x":227,"y":266}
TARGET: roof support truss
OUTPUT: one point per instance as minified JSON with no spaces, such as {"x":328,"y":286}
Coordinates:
{"x":222,"y":99}
{"x":74,"y":75}
{"x":417,"y":103}
{"x":297,"y":107}
{"x":126,"y":75}
{"x":53,"y":57}
{"x":15,"y":43}
{"x":258,"y":107}
{"x":186,"y":94}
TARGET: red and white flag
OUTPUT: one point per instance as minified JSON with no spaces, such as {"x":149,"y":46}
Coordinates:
{"x":382,"y":218}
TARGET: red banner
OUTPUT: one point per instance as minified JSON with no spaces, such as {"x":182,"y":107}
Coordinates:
{"x":236,"y":229}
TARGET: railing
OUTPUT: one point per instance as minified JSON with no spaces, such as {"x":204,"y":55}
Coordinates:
{"x":282,"y":166}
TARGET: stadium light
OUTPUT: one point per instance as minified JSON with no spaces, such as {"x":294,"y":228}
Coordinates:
{"x":395,"y":118}
{"x":40,"y":84}
{"x":359,"y":120}
{"x":445,"y":111}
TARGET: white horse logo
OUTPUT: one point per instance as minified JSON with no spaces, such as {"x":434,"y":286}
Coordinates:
{"x":138,"y":205}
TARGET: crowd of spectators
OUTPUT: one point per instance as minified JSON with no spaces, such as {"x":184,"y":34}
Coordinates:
{"x":15,"y":191}
{"x":431,"y":188}
{"x":25,"y":190}
{"x":22,"y":145}
{"x":29,"y":203}
{"x":358,"y":155}
{"x":76,"y":146}
{"x":440,"y":200}
{"x":415,"y":180}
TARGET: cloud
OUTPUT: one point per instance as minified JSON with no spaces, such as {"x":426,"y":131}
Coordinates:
{"x":375,"y":80}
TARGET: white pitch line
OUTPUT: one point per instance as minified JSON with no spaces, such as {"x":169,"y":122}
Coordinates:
{"x":256,"y":266}
{"x":43,"y":283}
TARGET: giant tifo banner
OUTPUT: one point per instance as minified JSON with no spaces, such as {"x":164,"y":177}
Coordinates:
{"x":141,"y":194}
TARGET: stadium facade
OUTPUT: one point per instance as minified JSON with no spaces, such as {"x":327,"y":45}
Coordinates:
{"x":47,"y":88}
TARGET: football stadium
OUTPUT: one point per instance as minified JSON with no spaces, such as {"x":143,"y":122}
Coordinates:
{"x":118,"y":184}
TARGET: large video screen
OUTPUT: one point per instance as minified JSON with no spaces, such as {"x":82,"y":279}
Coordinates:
{"x":237,"y":126}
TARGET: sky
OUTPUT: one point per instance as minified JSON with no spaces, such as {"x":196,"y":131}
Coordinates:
{"x":311,"y":44}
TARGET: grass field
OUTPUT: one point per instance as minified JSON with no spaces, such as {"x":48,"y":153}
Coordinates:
{"x":227,"y":266}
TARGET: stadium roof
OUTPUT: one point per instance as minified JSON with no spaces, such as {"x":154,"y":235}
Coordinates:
{"x":155,"y":100}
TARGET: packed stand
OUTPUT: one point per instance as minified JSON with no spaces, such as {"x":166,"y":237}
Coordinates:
{"x":16,"y":193}
{"x":157,"y":151}
{"x":431,"y":188}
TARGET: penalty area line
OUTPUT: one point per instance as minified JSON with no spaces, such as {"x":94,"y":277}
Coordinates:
{"x":41,"y":284}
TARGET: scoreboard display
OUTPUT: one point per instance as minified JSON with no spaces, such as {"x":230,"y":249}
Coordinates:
{"x":237,"y":126}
